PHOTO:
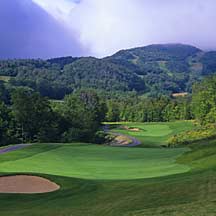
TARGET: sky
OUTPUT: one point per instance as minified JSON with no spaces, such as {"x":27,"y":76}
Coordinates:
{"x":52,"y":28}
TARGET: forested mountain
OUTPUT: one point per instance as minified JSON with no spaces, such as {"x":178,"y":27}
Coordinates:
{"x":165,"y":68}
{"x":151,"y":70}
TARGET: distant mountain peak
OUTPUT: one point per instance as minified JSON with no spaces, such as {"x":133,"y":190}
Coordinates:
{"x":155,"y":69}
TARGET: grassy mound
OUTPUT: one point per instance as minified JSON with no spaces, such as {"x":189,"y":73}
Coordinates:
{"x":115,"y":181}
{"x":94,"y":162}
{"x":187,"y":194}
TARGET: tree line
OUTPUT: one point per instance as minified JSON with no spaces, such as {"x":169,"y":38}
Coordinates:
{"x":160,"y":109}
{"x":33,"y":118}
{"x":26,"y":116}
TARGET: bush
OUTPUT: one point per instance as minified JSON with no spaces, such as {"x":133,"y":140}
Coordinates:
{"x":75,"y":134}
{"x":188,"y":137}
{"x":100,"y":137}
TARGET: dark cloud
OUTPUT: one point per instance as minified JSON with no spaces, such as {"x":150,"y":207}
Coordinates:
{"x":27,"y":31}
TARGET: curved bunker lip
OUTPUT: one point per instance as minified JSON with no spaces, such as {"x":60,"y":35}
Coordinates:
{"x":26,"y":184}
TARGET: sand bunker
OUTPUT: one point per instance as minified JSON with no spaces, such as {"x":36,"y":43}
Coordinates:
{"x":26,"y":184}
{"x":134,"y":129}
{"x":131,"y":129}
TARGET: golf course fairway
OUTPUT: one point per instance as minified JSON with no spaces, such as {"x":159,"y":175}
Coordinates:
{"x":151,"y":134}
{"x":94,"y":162}
{"x":98,"y":180}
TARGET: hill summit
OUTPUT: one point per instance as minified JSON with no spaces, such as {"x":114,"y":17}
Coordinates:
{"x":155,"y":69}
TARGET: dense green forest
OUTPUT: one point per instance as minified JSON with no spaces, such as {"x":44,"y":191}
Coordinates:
{"x":153,"y":70}
{"x":133,"y":85}
{"x":26,"y":116}
{"x":158,"y":109}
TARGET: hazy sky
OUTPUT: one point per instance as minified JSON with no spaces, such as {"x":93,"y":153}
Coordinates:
{"x":48,"y":28}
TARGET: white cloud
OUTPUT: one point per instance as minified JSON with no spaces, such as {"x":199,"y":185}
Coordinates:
{"x":60,"y":9}
{"x":105,"y":26}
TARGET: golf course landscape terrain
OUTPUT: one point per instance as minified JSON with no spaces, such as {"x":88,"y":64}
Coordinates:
{"x":107,"y":108}
{"x":151,"y":134}
{"x":100,"y":180}
{"x":94,"y":162}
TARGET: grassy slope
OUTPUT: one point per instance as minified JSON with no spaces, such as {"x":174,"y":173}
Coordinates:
{"x":94,"y":162}
{"x":154,"y":134}
{"x":187,"y":194}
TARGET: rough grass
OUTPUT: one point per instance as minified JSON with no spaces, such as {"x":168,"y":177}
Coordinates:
{"x":153,"y":134}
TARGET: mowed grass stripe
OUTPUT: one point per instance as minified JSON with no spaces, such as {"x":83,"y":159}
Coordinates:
{"x":192,"y":193}
{"x":96,"y":162}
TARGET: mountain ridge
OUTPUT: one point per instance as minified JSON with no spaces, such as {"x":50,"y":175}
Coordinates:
{"x":154,"y":70}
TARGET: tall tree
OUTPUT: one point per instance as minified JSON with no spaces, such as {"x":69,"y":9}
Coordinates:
{"x":4,"y":123}
{"x":85,"y":112}
{"x":204,"y":99}
{"x":34,"y":115}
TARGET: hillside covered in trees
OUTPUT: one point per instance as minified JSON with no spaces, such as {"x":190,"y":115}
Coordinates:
{"x":26,"y":116}
{"x":152,"y":70}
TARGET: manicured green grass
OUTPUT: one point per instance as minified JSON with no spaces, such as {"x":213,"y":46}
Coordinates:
{"x":153,"y":134}
{"x":106,"y":181}
{"x":94,"y":162}
{"x":187,"y":194}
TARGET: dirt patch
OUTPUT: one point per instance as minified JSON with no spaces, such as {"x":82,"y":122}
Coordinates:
{"x":24,"y":184}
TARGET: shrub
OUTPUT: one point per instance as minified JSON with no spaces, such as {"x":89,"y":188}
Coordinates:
{"x":188,"y":137}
